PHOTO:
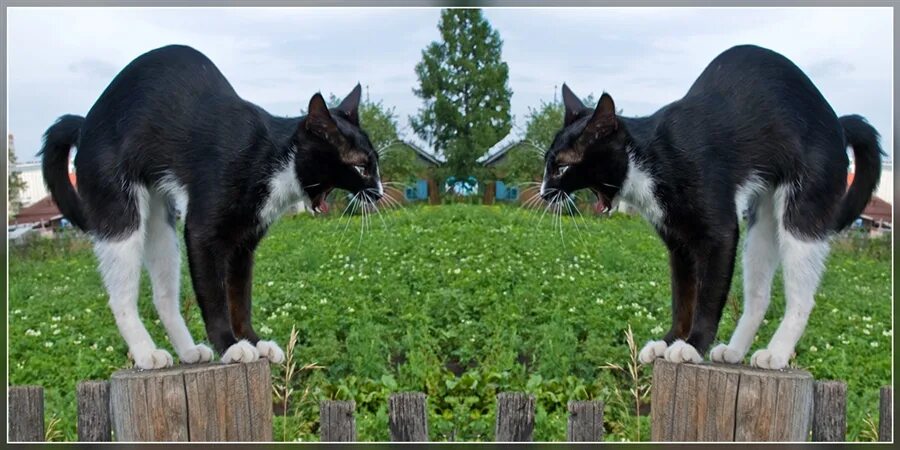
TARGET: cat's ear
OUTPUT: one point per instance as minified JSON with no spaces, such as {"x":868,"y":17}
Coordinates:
{"x":350,"y":105}
{"x":572,"y":104}
{"x":318,"y":119}
{"x":603,"y":121}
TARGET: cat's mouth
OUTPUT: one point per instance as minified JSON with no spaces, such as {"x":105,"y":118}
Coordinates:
{"x":603,"y":203}
{"x":320,"y":203}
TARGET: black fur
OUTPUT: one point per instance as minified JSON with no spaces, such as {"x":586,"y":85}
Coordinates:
{"x":751,"y":113}
{"x":170,"y":114}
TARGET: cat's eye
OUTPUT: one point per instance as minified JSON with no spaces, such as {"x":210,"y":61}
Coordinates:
{"x":361,"y":170}
{"x":561,"y":170}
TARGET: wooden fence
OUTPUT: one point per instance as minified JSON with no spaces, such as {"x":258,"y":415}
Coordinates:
{"x":219,"y":402}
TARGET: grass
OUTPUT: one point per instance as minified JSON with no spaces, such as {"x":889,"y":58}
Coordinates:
{"x":457,"y":301}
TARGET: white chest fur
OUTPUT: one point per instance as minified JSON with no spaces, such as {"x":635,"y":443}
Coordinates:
{"x":638,"y":189}
{"x":284,"y":191}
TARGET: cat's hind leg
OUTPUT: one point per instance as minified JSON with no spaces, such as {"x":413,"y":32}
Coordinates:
{"x":163,"y":262}
{"x":760,"y":261}
{"x":803,"y":257}
{"x":119,"y":253}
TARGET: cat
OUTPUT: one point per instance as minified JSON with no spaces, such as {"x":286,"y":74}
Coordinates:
{"x":170,"y":135}
{"x":752,"y":134}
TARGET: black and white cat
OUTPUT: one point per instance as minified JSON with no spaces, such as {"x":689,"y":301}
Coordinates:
{"x":170,"y":133}
{"x":752,"y":134}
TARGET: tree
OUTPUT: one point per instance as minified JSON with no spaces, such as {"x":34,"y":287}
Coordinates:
{"x":463,"y":83}
{"x":15,"y":183}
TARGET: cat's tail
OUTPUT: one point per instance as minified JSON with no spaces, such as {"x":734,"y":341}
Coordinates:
{"x":867,"y":155}
{"x":58,"y":142}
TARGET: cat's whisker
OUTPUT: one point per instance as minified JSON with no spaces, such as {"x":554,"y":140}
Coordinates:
{"x":570,"y":205}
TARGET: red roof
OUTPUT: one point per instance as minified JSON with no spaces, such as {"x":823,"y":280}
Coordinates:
{"x":878,"y":210}
{"x":44,"y":210}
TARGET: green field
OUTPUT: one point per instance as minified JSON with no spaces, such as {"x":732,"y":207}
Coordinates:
{"x":458,"y":301}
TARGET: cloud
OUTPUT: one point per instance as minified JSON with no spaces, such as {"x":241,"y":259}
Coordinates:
{"x":95,"y":68}
{"x":61,"y":59}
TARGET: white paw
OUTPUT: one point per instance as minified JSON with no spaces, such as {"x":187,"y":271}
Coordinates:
{"x":271,"y":351}
{"x":651,"y":351}
{"x":726,"y":354}
{"x":681,"y":351}
{"x":196,"y":354}
{"x":155,"y":359}
{"x":241,"y":352}
{"x":767,"y":359}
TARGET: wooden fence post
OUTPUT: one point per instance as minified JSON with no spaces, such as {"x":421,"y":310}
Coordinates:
{"x":884,"y":414}
{"x":203,"y":402}
{"x":94,"y":423}
{"x":336,"y":421}
{"x":26,"y":414}
{"x":718,"y":402}
{"x":829,"y":411}
{"x":515,"y":417}
{"x":585,"y":421}
{"x":408,"y":417}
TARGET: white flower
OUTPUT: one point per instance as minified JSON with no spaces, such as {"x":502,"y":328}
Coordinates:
{"x":303,"y":307}
{"x":456,"y":270}
{"x":271,"y":283}
{"x":17,"y":311}
{"x":813,"y":349}
{"x":55,"y":318}
{"x":30,"y":332}
{"x":265,"y":330}
{"x":873,"y":344}
{"x":323,"y":301}
{"x":48,"y":344}
{"x":109,"y":348}
{"x":350,"y":309}
{"x":56,"y":331}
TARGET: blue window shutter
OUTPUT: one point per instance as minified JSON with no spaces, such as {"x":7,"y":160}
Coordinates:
{"x":421,"y":189}
{"x":500,"y":193}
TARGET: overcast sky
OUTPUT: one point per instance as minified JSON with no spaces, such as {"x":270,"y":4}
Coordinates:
{"x":61,"y":59}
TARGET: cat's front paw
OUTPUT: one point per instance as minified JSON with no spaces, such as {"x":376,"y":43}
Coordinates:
{"x":651,"y":351}
{"x":767,"y":359}
{"x":680,"y":352}
{"x":154,"y":359}
{"x":724,"y":353}
{"x":271,"y":351}
{"x":196,"y":354}
{"x":241,"y":352}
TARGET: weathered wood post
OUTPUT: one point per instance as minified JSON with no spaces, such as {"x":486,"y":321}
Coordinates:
{"x":829,"y":411}
{"x":336,"y":421}
{"x":515,"y":417}
{"x":585,"y":421}
{"x":26,"y":414}
{"x":94,"y":422}
{"x":884,"y":414}
{"x":408,"y":417}
{"x":203,"y":402}
{"x":723,"y":402}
